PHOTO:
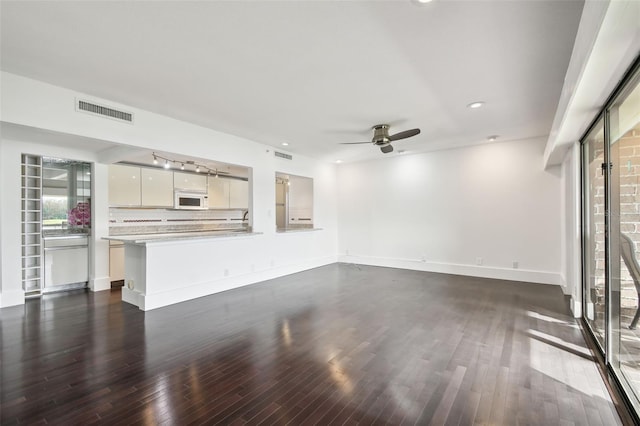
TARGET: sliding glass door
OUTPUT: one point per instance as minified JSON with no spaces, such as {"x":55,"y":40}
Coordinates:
{"x":611,"y":234}
{"x":594,"y":225}
{"x":624,"y":134}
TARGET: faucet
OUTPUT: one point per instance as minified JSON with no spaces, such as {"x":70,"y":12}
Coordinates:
{"x":244,"y":216}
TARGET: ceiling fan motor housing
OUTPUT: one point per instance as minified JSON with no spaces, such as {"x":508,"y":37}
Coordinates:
{"x":380,"y":134}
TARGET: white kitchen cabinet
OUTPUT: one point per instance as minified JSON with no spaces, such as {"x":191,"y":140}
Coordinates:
{"x":300,"y":200}
{"x":238,"y":194}
{"x":189,"y":182}
{"x":157,"y":187}
{"x":124,"y":185}
{"x":66,"y":261}
{"x":228,"y":193}
{"x":116,"y":262}
{"x":218,"y":193}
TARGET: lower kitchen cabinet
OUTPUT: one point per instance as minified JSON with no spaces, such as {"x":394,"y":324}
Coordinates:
{"x":66,"y":261}
{"x":116,"y":261}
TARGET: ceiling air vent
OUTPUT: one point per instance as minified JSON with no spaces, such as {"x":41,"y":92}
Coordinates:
{"x":103,"y":111}
{"x":283,"y":155}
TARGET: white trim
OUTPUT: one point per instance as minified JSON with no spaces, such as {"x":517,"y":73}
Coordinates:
{"x":11,"y":298}
{"x":100,"y":284}
{"x":576,"y":307}
{"x":541,"y":277}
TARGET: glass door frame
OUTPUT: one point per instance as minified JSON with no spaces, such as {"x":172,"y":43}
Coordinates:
{"x":608,"y":354}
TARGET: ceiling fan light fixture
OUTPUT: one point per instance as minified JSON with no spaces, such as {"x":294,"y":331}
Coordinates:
{"x":285,"y":143}
{"x":492,"y":138}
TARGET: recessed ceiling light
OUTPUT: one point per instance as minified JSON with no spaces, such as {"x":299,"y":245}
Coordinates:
{"x":401,"y":151}
{"x":476,"y":104}
{"x":424,"y":1}
{"x":338,"y":161}
{"x":285,"y":143}
{"x":492,"y":138}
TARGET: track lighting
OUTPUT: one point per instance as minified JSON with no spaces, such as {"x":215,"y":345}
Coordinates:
{"x":185,"y":165}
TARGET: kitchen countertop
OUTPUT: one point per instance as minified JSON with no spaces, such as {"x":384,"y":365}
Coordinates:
{"x":176,"y":236}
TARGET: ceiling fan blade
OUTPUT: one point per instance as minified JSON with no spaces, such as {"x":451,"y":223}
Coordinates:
{"x":386,"y":149}
{"x":404,"y":135}
{"x":352,"y":143}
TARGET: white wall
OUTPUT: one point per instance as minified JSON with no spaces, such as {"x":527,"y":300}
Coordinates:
{"x":436,"y":211}
{"x":571,"y":231}
{"x":440,"y":211}
{"x":38,"y":105}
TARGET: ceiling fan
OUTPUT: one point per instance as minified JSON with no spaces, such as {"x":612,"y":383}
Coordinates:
{"x":382,"y":138}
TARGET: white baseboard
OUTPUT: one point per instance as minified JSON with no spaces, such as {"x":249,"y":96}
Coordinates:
{"x":576,"y":307}
{"x":100,"y":284}
{"x":524,"y":275}
{"x":11,"y":298}
{"x":189,"y":291}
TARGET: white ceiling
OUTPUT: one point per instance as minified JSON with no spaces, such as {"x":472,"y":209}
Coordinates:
{"x":310,"y":73}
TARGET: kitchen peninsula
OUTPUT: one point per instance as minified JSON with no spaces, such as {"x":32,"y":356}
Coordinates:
{"x":166,"y":226}
{"x":162,"y":269}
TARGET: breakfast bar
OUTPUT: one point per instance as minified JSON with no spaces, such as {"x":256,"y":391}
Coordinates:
{"x":162,"y":269}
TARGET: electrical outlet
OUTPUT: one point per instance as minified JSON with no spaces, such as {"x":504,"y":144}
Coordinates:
{"x":423,"y":258}
{"x":515,"y":264}
{"x":479,"y":261}
{"x":130,"y":284}
{"x":226,"y":272}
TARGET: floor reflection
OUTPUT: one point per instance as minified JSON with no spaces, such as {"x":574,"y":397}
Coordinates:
{"x":339,"y":344}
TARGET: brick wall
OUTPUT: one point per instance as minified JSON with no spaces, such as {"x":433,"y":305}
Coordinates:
{"x":629,"y":168}
{"x":628,"y":165}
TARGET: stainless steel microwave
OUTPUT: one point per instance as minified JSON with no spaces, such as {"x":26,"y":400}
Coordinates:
{"x":191,"y":201}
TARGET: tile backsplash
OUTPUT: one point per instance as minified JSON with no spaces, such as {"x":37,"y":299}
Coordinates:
{"x":131,"y":221}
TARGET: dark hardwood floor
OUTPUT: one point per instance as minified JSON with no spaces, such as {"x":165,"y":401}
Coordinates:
{"x":341,"y":344}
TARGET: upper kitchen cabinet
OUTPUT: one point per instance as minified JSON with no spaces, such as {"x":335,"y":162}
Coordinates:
{"x":157,"y":187}
{"x":225,"y":193}
{"x":238,"y":194}
{"x":124,"y":185}
{"x":218,"y":193}
{"x":189,"y":182}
